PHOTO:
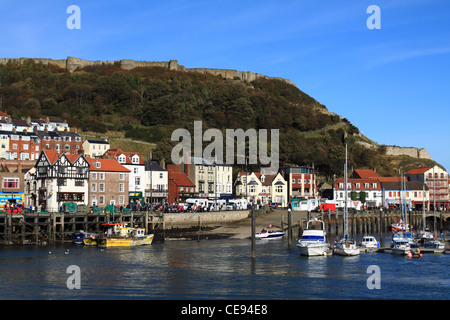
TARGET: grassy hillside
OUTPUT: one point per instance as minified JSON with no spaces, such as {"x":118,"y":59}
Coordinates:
{"x":147,"y":104}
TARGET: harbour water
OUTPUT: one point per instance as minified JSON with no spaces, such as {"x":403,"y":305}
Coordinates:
{"x":216,"y":269}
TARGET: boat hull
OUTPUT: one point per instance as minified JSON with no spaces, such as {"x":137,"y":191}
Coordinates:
{"x":347,"y":251}
{"x":269,"y":235}
{"x":401,"y":251}
{"x":313,"y":250}
{"x":126,"y":242}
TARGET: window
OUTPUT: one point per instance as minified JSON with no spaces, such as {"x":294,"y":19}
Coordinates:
{"x":160,"y":175}
{"x":121,"y":187}
{"x":36,"y":148}
{"x":341,"y":185}
{"x":25,"y":146}
{"x":121,"y":200}
{"x":366,"y":186}
{"x":358,"y":186}
{"x":62,"y":182}
{"x":374,"y":185}
{"x":94,"y":187}
{"x":11,"y":183}
{"x":66,"y":147}
{"x":279,"y":189}
{"x":101,"y":176}
{"x":101,"y":187}
{"x":97,"y":164}
{"x":137,"y":181}
{"x":121,"y":176}
{"x":101,"y":200}
{"x":135,"y":170}
{"x":14,"y":145}
{"x":94,"y":176}
{"x":79,"y":183}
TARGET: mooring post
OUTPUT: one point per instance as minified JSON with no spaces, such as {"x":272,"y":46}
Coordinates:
{"x":290,"y":227}
{"x":253,"y":232}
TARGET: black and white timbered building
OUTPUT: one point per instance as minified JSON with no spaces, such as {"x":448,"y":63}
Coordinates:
{"x":61,"y":178}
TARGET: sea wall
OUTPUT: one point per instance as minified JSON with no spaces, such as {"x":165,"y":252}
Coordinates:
{"x":71,"y":64}
{"x":190,"y":219}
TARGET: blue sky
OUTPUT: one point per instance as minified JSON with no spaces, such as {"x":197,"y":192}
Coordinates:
{"x":393,"y":83}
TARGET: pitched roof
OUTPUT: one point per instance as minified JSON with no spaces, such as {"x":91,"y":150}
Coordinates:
{"x":181,"y":179}
{"x":153,"y":166}
{"x":364,"y":174}
{"x":110,"y":165}
{"x":418,"y":170}
{"x":128,"y":155}
{"x":52,"y":155}
{"x":410,"y":185}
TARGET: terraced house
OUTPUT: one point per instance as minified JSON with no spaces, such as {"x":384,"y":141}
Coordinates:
{"x":108,"y":183}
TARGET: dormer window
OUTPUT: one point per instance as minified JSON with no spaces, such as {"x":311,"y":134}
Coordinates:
{"x":135,"y":159}
{"x":121,"y":158}
{"x":97,"y":164}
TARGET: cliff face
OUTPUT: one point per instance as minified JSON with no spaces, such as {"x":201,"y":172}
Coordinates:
{"x":71,"y":64}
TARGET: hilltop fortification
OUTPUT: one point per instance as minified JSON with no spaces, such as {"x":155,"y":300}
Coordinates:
{"x":72,"y":64}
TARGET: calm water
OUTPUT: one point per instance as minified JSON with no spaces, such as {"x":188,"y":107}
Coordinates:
{"x":216,"y":269}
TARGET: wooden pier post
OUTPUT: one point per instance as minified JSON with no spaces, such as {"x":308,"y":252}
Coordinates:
{"x":290,"y":226}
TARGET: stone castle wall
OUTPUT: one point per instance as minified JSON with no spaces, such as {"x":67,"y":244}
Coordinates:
{"x":71,"y":64}
{"x":408,"y":151}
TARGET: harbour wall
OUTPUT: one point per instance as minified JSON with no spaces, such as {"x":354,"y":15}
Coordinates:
{"x":205,"y":219}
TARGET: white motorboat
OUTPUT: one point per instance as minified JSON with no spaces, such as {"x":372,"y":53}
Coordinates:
{"x":346,"y":247}
{"x":314,"y":239}
{"x":369,"y":242}
{"x":401,"y":246}
{"x":269,"y":234}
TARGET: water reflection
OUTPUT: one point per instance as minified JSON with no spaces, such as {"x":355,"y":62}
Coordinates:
{"x":215,"y":269}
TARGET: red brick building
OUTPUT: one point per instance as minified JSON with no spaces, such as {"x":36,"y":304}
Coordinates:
{"x":180,"y":186}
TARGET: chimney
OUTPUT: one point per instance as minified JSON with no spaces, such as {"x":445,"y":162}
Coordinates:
{"x":187,"y":161}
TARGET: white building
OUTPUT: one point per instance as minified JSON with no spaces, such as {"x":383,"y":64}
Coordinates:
{"x":61,"y":178}
{"x":212,"y":180}
{"x":262,"y":189}
{"x":156,"y":181}
{"x":133,"y":162}
{"x":95,"y":148}
{"x":413,"y":193}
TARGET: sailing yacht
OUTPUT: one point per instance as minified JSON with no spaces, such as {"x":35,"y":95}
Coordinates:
{"x":346,"y":246}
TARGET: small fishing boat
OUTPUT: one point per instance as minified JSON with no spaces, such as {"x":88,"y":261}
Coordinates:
{"x":78,"y":237}
{"x":400,"y":226}
{"x":369,"y":242}
{"x":120,"y":235}
{"x":269,"y":234}
{"x":314,"y":239}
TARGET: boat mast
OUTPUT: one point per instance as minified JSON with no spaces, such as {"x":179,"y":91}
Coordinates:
{"x":346,"y":195}
{"x":423,"y":206}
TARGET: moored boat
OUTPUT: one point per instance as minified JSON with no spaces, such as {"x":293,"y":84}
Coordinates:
{"x":269,"y":234}
{"x":369,"y":242}
{"x":401,"y":246}
{"x":346,"y":247}
{"x":400,"y":226}
{"x":314,"y":239}
{"x":120,"y":235}
{"x":78,"y":237}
